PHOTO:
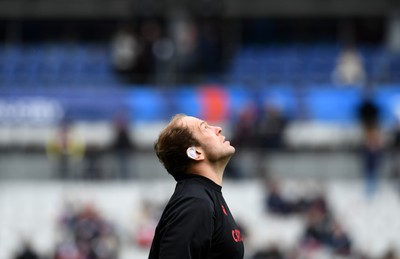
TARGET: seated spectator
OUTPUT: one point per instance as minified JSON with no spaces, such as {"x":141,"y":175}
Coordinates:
{"x":27,"y":252}
{"x":317,"y":229}
{"x":323,"y":231}
{"x":271,"y":252}
{"x":350,"y":68}
{"x":244,"y":127}
{"x":86,"y":234}
{"x":339,"y":241}
{"x":276,"y":203}
{"x":390,"y":254}
{"x":271,"y":126}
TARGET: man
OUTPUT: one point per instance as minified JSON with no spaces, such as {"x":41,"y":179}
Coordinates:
{"x":196,"y":223}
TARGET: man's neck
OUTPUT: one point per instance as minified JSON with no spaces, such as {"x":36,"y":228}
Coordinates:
{"x":206,"y":170}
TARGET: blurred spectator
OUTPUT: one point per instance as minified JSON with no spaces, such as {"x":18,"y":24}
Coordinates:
{"x":147,"y":223}
{"x":27,"y":252}
{"x":67,"y":149}
{"x":323,"y":231}
{"x":318,"y":227}
{"x":86,"y":235}
{"x":361,"y":255}
{"x":271,"y":252}
{"x":125,"y":50}
{"x":271,"y":126}
{"x":339,"y":241}
{"x":186,"y":37}
{"x":244,"y":127}
{"x":390,"y":254}
{"x":67,"y":250}
{"x":317,"y":230}
{"x":268,"y":136}
{"x":395,"y":174}
{"x":163,"y":51}
{"x":210,"y":48}
{"x":372,"y":149}
{"x":277,"y":203}
{"x":133,"y":53}
{"x":93,"y":168}
{"x":122,"y":146}
{"x":150,"y":33}
{"x":349,"y":68}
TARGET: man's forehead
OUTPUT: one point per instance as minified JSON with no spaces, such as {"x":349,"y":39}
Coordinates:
{"x":191,"y":121}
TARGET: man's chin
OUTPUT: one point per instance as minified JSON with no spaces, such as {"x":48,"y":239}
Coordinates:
{"x":232,"y":151}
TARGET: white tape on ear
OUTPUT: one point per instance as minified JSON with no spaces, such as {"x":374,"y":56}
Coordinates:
{"x":191,"y":152}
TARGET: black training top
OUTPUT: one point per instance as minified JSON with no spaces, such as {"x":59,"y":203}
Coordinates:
{"x":197,"y":223}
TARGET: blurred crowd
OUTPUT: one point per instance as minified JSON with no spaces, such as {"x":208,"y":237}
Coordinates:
{"x":323,"y":232}
{"x":85,"y":232}
{"x":73,"y":158}
{"x":324,"y":236}
{"x":155,"y":51}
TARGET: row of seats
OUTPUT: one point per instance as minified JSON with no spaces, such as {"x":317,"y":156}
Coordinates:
{"x":311,"y":63}
{"x":77,"y":63}
{"x":55,"y":63}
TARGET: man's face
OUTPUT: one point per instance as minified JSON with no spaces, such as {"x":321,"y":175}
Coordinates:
{"x":212,"y":141}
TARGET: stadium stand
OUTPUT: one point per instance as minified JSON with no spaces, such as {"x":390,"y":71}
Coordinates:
{"x":274,"y":59}
{"x":119,"y":204}
{"x":80,"y":64}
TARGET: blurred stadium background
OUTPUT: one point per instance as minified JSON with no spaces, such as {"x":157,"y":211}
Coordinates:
{"x":308,"y":91}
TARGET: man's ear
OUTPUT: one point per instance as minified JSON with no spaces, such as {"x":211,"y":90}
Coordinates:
{"x":195,"y":153}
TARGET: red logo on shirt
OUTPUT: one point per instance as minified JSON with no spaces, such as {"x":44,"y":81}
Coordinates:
{"x":237,"y":237}
{"x":224,"y":210}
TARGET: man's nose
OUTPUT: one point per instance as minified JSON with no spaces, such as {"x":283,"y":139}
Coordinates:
{"x":217,"y":129}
